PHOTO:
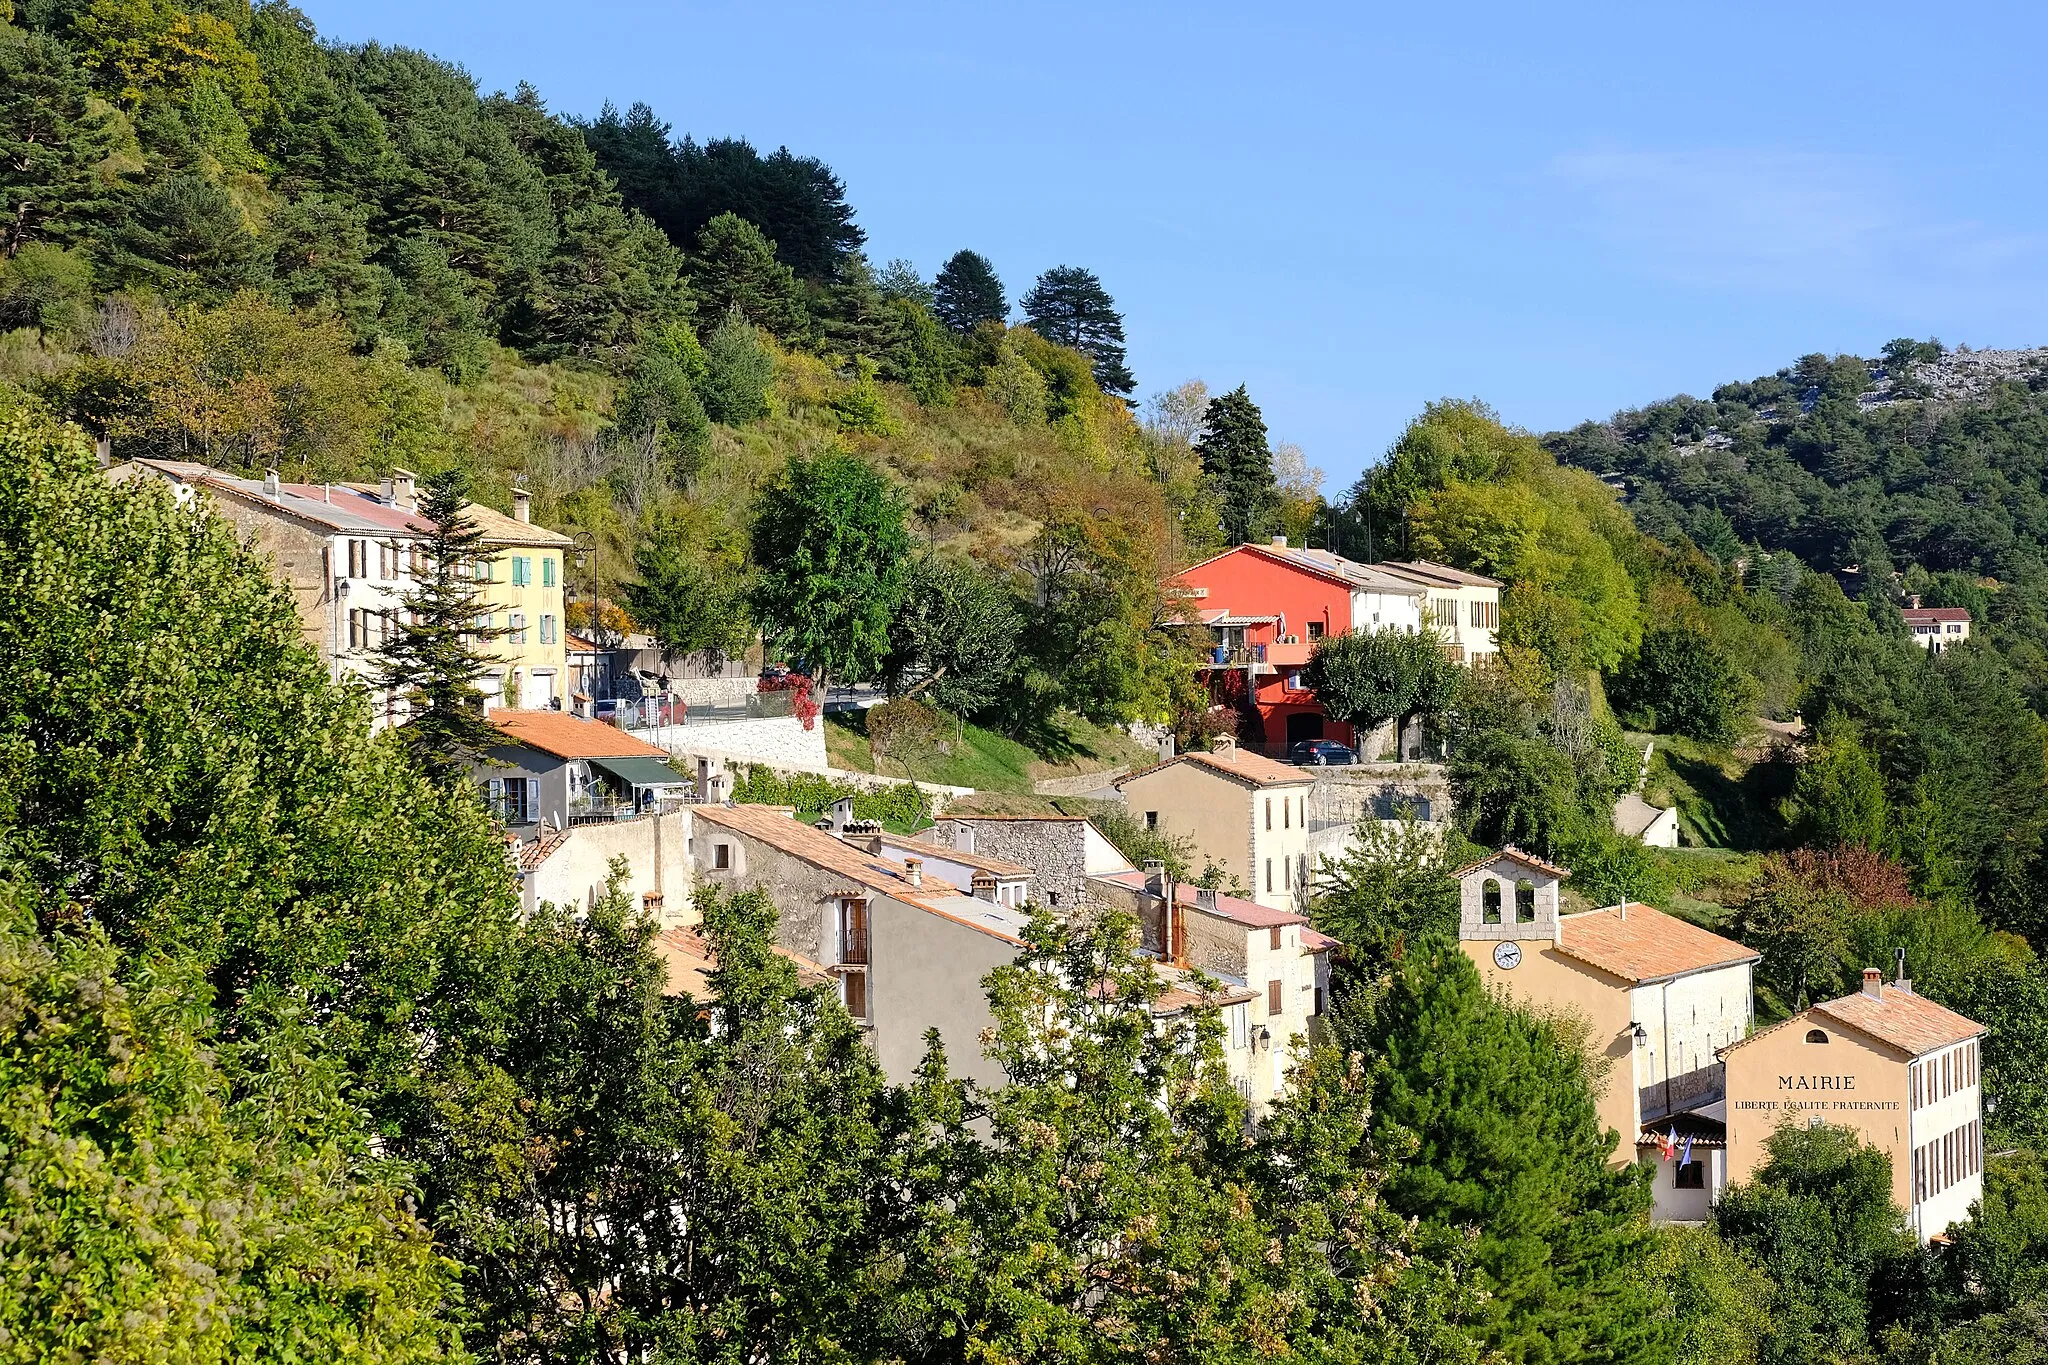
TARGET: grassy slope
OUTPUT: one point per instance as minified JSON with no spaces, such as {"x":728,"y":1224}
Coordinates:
{"x":986,"y":760}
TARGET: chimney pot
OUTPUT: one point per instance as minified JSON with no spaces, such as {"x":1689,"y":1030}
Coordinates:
{"x":401,"y":489}
{"x":913,"y":871}
{"x":1873,"y":983}
{"x":271,"y":487}
{"x":1279,"y":542}
{"x":1205,"y":897}
{"x":522,"y":505}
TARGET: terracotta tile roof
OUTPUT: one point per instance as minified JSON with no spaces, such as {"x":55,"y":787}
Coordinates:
{"x":1645,"y":944}
{"x":1909,"y":1022}
{"x":1526,"y":859}
{"x":1923,"y":616}
{"x":1254,"y":770}
{"x":1315,"y":941}
{"x":773,"y":826}
{"x":498,"y":528}
{"x":1433,"y":572}
{"x":917,"y":848}
{"x":538,"y":851}
{"x":1248,"y":913}
{"x":687,"y":955}
{"x":567,"y":736}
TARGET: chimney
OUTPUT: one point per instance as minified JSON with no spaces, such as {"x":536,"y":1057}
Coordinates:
{"x":522,"y":505}
{"x":1873,"y":983}
{"x":1621,"y":911}
{"x":1205,"y":897}
{"x":1155,"y":876}
{"x":271,"y":487}
{"x":1279,"y":542}
{"x":579,"y":705}
{"x":913,"y":871}
{"x":1914,"y":600}
{"x":650,"y":904}
{"x":1901,"y":980}
{"x":984,"y":887}
{"x":401,"y":488}
{"x":1224,"y":746}
{"x":103,"y":451}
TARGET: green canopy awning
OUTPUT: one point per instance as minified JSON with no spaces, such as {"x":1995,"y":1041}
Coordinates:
{"x":641,"y":772}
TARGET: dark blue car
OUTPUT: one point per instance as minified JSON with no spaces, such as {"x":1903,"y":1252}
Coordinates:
{"x":1320,"y":753}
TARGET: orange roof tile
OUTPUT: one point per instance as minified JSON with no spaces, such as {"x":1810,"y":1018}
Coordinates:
{"x":1254,"y":770}
{"x":1526,"y":859}
{"x":567,"y":736}
{"x":1646,"y":944}
{"x":1909,"y":1022}
{"x":687,"y":955}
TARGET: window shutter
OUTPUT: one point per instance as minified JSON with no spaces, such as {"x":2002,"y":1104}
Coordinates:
{"x":1272,"y":997}
{"x":547,"y":571}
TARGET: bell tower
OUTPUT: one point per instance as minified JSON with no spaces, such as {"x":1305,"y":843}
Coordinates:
{"x":1509,"y":895}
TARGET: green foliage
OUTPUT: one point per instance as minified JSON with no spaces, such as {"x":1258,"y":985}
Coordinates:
{"x":967,"y":293}
{"x":1679,"y":680}
{"x":1819,"y":1215}
{"x":829,"y":538}
{"x":1802,"y":912}
{"x":862,"y":411}
{"x":1239,"y":466}
{"x":1367,"y":678}
{"x":1069,"y":307}
{"x":734,"y":270}
{"x":1492,"y":1116}
{"x":739,"y":372}
{"x":1719,"y":1298}
{"x":898,"y":805}
{"x":187,"y":239}
{"x":956,"y":636}
{"x":430,"y":662}
{"x":660,"y":403}
{"x":173,"y":1200}
{"x":45,"y":286}
{"x":907,"y":730}
{"x":688,"y":603}
{"x":1391,"y":888}
{"x":54,"y":141}
{"x":1839,"y":794}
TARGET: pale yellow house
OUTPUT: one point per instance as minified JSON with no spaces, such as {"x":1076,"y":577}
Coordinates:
{"x":1900,"y":1070}
{"x":1244,"y":812}
{"x":524,"y":593}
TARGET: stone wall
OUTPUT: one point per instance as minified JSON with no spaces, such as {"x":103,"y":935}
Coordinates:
{"x":781,"y":742}
{"x":1056,"y":851}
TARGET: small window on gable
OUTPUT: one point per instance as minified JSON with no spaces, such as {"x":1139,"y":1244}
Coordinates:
{"x":1525,"y":901}
{"x":721,"y":856}
{"x":1814,"y":1035}
{"x":1151,"y":819}
{"x":1489,"y":902}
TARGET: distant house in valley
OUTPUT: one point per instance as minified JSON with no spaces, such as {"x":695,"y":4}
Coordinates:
{"x":1244,"y":812}
{"x":1936,"y":628}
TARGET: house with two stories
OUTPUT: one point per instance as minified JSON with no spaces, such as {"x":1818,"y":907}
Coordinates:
{"x":1272,"y":966}
{"x":1268,"y":605}
{"x":1244,"y":812}
{"x":1936,"y":628}
{"x":557,"y":770}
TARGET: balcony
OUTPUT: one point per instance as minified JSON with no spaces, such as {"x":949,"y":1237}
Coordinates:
{"x":1235,"y":656}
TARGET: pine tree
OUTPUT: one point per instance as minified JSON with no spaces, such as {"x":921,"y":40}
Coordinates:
{"x":1239,"y":465}
{"x":1496,"y":1110}
{"x":734,"y":266}
{"x":186,"y":238}
{"x":51,"y":144}
{"x":967,"y":293}
{"x":430,"y":661}
{"x":1069,"y":306}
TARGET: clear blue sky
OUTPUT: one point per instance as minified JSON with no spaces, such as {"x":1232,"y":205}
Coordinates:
{"x":1354,"y":208}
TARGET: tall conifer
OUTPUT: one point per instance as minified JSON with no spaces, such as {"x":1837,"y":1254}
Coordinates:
{"x":1239,"y":464}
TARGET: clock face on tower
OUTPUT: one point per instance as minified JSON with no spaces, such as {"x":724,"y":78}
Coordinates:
{"x":1507,"y":956}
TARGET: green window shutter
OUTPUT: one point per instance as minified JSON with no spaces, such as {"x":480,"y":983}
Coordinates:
{"x":547,"y":571}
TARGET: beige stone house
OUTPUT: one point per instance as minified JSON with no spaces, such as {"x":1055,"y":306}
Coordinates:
{"x":1245,"y":813}
{"x":1894,"y":1066}
{"x":1062,"y":851}
{"x":1273,"y":967}
{"x":1658,"y":997}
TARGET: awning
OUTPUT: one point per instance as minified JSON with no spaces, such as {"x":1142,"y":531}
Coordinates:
{"x":641,"y":772}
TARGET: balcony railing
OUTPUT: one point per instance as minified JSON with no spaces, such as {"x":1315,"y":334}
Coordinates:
{"x":1236,"y":656}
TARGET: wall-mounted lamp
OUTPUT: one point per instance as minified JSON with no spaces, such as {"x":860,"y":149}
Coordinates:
{"x":1639,"y":1033}
{"x":1262,"y":1037}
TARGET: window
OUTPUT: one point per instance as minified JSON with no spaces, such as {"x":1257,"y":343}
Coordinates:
{"x":1273,"y":938}
{"x":517,"y":623}
{"x":1286,"y":813}
{"x":855,"y":986}
{"x":1273,"y":992}
{"x":1315,"y":630}
{"x":481,"y":571}
{"x":1287,"y":870}
{"x":721,"y":857}
{"x":1269,"y":874}
{"x":1814,"y":1035}
{"x":1319,"y":1000}
{"x":1269,"y":819}
{"x":1489,"y":902}
{"x":1294,"y":681}
{"x":547,"y":629}
{"x":547,"y":571}
{"x":1485,"y":615}
{"x":1240,"y":1026}
{"x":1151,"y":819}
{"x":1690,"y":1175}
{"x":1525,"y":901}
{"x":1443,"y":612}
{"x":853,"y":932}
{"x":522,"y":570}
{"x":355,"y":629}
{"x":515,"y":799}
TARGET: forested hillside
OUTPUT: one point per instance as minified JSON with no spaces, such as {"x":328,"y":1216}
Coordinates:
{"x":229,"y":241}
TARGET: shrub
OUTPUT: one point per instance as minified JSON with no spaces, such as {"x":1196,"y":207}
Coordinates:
{"x":899,"y":806}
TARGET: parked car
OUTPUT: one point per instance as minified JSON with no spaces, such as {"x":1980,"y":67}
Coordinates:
{"x":1319,"y":753}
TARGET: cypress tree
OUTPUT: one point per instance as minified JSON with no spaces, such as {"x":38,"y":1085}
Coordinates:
{"x":1239,"y":465}
{"x":1069,"y":306}
{"x":967,"y":293}
{"x":431,"y":659}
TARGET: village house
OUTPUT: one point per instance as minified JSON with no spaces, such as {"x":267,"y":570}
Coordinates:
{"x":1894,"y":1066}
{"x":1658,"y":995}
{"x":559,"y":770}
{"x":1062,"y":851}
{"x":573,"y":866}
{"x":1937,"y":628}
{"x":978,"y":874}
{"x":1268,"y":605}
{"x":908,"y":951}
{"x":1273,"y":967}
{"x":1245,"y":813}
